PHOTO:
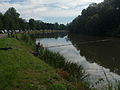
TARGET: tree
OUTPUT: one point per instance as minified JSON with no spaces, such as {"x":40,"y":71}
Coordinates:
{"x":32,"y":24}
{"x":23,"y":25}
{"x":38,"y":24}
{"x":11,"y":19}
{"x":97,"y":19}
{"x":6,"y":22}
{"x":62,"y":27}
{"x":1,"y":23}
{"x":11,"y":12}
{"x":56,"y":26}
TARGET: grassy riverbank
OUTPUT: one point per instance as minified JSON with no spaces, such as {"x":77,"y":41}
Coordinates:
{"x":20,"y":70}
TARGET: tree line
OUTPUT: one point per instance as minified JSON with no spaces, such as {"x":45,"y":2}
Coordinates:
{"x":11,"y":20}
{"x":98,"y":19}
{"x":40,"y":25}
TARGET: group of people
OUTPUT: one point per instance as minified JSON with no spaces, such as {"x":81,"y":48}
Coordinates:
{"x":10,"y":33}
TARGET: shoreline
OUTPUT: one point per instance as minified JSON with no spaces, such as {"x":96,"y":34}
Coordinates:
{"x":22,"y":71}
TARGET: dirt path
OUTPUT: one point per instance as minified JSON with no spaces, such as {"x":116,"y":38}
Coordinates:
{"x":3,"y":35}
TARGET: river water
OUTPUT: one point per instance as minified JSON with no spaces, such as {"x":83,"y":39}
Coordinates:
{"x":99,"y":56}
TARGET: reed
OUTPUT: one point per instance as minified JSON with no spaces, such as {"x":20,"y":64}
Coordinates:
{"x":118,"y":86}
{"x":76,"y":73}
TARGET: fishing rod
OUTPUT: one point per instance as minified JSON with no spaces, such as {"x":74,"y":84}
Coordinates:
{"x":59,"y":45}
{"x":104,"y":40}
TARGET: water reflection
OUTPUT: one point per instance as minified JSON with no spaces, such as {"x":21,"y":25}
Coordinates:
{"x":106,"y":54}
{"x":54,"y":35}
{"x":97,"y":59}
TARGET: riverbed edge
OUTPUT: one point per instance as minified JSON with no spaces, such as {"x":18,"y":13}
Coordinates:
{"x":21,"y":70}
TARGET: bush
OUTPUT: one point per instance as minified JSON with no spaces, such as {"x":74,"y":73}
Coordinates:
{"x":63,"y":74}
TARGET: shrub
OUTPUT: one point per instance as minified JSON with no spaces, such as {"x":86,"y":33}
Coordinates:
{"x":63,"y":74}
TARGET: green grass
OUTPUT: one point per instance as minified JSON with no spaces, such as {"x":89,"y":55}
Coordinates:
{"x":20,"y":70}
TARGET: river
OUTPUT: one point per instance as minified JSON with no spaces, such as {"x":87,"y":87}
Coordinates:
{"x":99,"y":56}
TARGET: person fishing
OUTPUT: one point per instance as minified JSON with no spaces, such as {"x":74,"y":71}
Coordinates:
{"x":37,"y":49}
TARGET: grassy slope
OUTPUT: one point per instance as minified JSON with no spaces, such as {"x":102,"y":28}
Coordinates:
{"x":20,"y":70}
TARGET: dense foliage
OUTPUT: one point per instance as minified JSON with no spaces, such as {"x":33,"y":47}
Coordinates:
{"x":98,"y":19}
{"x":38,"y":25}
{"x":11,"y":20}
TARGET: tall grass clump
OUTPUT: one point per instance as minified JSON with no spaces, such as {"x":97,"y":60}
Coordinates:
{"x":118,"y":86}
{"x":26,"y":38}
{"x":54,"y":59}
{"x":76,"y":72}
{"x":73,"y":71}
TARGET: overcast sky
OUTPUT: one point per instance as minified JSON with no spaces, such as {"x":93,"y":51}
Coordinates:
{"x":61,"y":11}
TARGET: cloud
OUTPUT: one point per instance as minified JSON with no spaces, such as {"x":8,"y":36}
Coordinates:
{"x":4,"y":0}
{"x":46,"y":8}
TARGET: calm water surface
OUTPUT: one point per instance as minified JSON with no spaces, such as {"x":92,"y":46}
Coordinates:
{"x":95,"y":56}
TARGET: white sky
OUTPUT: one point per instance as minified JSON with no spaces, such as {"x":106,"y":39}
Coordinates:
{"x":39,"y":9}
